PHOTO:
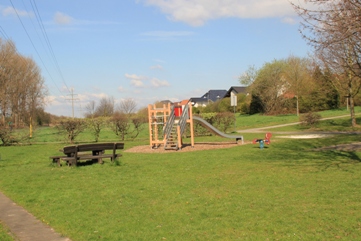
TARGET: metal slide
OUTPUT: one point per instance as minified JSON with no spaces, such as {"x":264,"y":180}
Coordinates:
{"x":215,"y":130}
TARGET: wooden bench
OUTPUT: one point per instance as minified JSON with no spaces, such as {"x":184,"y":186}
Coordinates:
{"x":94,"y":152}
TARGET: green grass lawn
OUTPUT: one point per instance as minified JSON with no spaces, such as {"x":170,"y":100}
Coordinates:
{"x":286,"y":191}
{"x":4,"y":234}
{"x":258,"y":120}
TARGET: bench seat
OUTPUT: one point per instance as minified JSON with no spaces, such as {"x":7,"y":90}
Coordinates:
{"x":95,"y":152}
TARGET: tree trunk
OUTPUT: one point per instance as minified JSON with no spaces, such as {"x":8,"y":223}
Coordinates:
{"x":352,"y":106}
{"x":352,"y":112}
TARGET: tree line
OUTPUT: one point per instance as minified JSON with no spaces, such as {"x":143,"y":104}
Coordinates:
{"x":22,"y":88}
{"x":292,"y":85}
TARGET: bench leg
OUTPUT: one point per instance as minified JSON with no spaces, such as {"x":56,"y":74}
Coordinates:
{"x":99,"y":160}
{"x":72,"y":162}
{"x":57,"y":160}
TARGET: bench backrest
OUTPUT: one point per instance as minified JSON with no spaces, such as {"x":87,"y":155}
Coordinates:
{"x":93,"y":147}
{"x":70,"y":149}
{"x":100,"y":146}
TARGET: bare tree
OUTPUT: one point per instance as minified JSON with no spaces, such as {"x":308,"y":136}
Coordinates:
{"x":333,"y":29}
{"x":90,"y":109}
{"x":7,"y":53}
{"x":127,"y":106}
{"x":105,"y":107}
{"x":22,"y":88}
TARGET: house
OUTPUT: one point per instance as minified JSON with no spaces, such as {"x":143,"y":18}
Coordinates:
{"x":235,"y":90}
{"x":210,"y":96}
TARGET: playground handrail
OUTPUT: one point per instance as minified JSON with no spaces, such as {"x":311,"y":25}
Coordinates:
{"x":183,"y":119}
{"x":169,"y":124}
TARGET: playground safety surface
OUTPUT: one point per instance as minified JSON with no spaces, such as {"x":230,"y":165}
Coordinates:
{"x":199,"y":146}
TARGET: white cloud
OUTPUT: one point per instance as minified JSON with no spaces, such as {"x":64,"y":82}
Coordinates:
{"x":158,"y":66}
{"x":137,"y":83}
{"x":63,"y":19}
{"x":136,"y":80}
{"x":158,"y":83}
{"x":10,"y":11}
{"x":121,"y":89}
{"x":142,"y":81}
{"x":198,"y":12}
{"x":289,"y":20}
{"x":86,"y":97}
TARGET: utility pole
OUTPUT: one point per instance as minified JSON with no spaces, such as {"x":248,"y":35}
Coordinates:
{"x":72,"y":100}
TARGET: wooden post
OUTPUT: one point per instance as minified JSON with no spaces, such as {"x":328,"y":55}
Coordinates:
{"x":150,"y":119}
{"x":191,"y":123}
{"x":179,"y":139}
{"x":31,"y":128}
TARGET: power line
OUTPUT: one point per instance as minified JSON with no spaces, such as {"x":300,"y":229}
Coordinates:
{"x":40,"y":22}
{"x":32,"y":43}
{"x":3,"y":33}
{"x":6,"y":37}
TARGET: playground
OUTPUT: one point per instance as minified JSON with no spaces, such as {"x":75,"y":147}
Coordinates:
{"x":167,"y":125}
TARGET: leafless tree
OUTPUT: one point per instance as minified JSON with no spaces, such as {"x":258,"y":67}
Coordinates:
{"x":22,"y":88}
{"x":105,"y":107}
{"x":333,"y":29}
{"x":90,"y":109}
{"x":127,"y":106}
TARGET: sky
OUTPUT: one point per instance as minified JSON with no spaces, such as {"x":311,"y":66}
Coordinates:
{"x":146,"y":50}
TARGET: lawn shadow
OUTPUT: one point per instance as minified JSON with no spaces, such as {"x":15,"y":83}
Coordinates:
{"x":87,"y":163}
{"x":92,"y":162}
{"x":306,"y":153}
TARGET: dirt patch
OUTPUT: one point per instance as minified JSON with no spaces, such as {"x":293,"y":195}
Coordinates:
{"x":199,"y":146}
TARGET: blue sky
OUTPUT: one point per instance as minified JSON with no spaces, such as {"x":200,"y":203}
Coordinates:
{"x":148,"y":50}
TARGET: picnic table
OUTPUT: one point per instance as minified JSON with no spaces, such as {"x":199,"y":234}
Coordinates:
{"x":94,"y":152}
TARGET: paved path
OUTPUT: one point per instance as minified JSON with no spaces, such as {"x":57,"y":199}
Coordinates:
{"x":23,"y":225}
{"x":262,"y":129}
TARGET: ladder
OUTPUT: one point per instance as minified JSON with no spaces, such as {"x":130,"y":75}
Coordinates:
{"x":174,"y":129}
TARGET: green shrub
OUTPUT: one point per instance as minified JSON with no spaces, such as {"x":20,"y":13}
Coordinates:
{"x":224,"y":120}
{"x":72,"y":128}
{"x":310,"y":119}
